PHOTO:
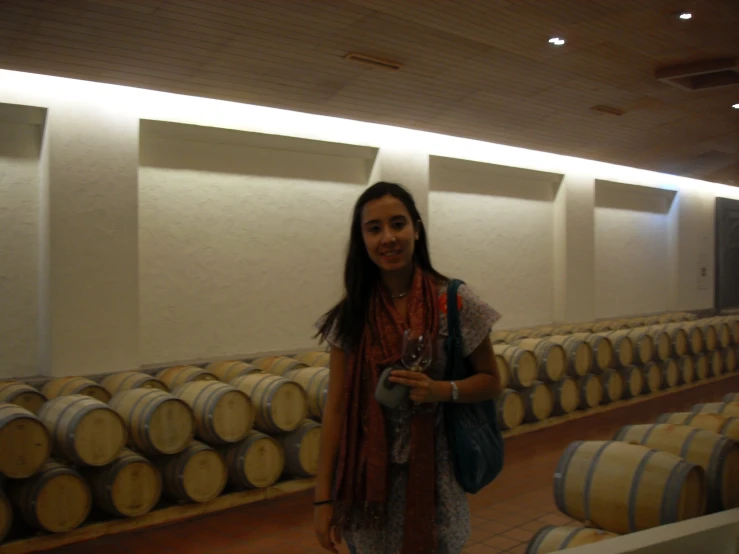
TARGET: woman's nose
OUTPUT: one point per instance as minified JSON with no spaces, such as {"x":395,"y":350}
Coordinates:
{"x":388,"y":236}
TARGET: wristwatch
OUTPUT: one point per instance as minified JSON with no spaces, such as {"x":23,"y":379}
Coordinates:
{"x":455,"y":391}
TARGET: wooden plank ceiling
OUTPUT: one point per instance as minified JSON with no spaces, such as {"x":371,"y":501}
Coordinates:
{"x":475,"y":68}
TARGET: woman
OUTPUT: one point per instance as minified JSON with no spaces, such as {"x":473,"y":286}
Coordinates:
{"x":385,"y":480}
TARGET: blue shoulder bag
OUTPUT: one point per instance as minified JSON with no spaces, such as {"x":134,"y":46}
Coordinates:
{"x":475,"y":440}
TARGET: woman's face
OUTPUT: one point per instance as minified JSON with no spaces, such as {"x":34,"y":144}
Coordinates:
{"x":388,"y":232}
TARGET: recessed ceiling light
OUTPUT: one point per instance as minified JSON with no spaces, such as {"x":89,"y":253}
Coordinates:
{"x":735,"y":106}
{"x":556,"y":41}
{"x":685,"y":15}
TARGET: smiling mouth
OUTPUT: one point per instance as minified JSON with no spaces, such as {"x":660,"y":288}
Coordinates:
{"x":393,"y":253}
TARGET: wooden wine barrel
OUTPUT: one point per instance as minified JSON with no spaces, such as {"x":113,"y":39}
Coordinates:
{"x":602,"y":327}
{"x":730,"y":360}
{"x":578,"y":353}
{"x":642,"y":344}
{"x":613,"y":385}
{"x":670,"y":374}
{"x":255,"y":462}
{"x":197,"y":474}
{"x":280,"y":404}
{"x":565,"y":396}
{"x":538,"y":402}
{"x":128,"y":487}
{"x":550,"y":358}
{"x":717,"y":423}
{"x":25,"y":443}
{"x":23,"y":395}
{"x":653,"y":377}
{"x":504,"y":372}
{"x":223,"y":413}
{"x":650,"y":487}
{"x":591,"y":391}
{"x":701,"y":367}
{"x":723,"y":333}
{"x":653,"y":320}
{"x":314,"y":359}
{"x":498,"y":337}
{"x":225,"y":371}
{"x":56,"y":499}
{"x":510,"y":409}
{"x":623,"y":349}
{"x":278,"y":365}
{"x":551,"y":538}
{"x":731,"y":397}
{"x":733,"y":323}
{"x":560,"y":330}
{"x":127,"y":380}
{"x":6,"y":516}
{"x":678,"y":338}
{"x":178,"y":375}
{"x":301,"y":449}
{"x":686,"y":369}
{"x":662,"y":342}
{"x":633,"y":381}
{"x":159,"y":423}
{"x":716,"y":362}
{"x":710,"y":336}
{"x":716,"y":454}
{"x":730,"y":409}
{"x":84,"y":431}
{"x":66,"y":386}
{"x":541,"y":332}
{"x":602,"y":346}
{"x":522,"y":365}
{"x":314,"y":381}
{"x":695,"y":338}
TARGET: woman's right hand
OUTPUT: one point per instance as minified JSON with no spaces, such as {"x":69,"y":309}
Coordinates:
{"x":328,"y":534}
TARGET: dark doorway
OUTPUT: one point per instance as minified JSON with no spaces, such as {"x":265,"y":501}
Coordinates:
{"x":727,"y":253}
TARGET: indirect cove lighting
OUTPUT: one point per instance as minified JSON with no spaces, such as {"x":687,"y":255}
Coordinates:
{"x":55,"y":92}
{"x":556,"y":41}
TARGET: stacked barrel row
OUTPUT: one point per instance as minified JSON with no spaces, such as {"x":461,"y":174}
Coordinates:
{"x":188,"y":434}
{"x":684,"y":465}
{"x":555,"y":370}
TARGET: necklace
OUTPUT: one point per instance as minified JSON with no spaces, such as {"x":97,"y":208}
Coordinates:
{"x":401,"y":295}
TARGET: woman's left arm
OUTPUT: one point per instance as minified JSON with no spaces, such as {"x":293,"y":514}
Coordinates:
{"x":483,"y":385}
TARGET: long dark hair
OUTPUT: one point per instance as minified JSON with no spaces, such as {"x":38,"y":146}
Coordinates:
{"x":361,"y":275}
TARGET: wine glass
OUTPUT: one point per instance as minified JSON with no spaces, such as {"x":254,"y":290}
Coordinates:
{"x":417,"y":352}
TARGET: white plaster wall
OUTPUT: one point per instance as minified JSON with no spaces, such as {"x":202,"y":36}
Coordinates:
{"x":241,"y":248}
{"x":494,"y":231}
{"x":632,"y":259}
{"x":692,"y":226}
{"x":19,"y":243}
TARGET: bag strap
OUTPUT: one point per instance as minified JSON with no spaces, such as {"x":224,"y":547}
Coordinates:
{"x":452,"y":311}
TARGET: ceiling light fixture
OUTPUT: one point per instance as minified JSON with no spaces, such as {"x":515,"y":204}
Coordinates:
{"x":685,"y":15}
{"x":735,"y":106}
{"x":556,"y":41}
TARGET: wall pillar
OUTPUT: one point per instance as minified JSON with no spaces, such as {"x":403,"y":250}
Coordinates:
{"x":691,"y":258}
{"x":574,"y":249}
{"x":88,"y":266}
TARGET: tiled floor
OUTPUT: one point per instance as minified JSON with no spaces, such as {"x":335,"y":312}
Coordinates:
{"x":505,"y":515}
